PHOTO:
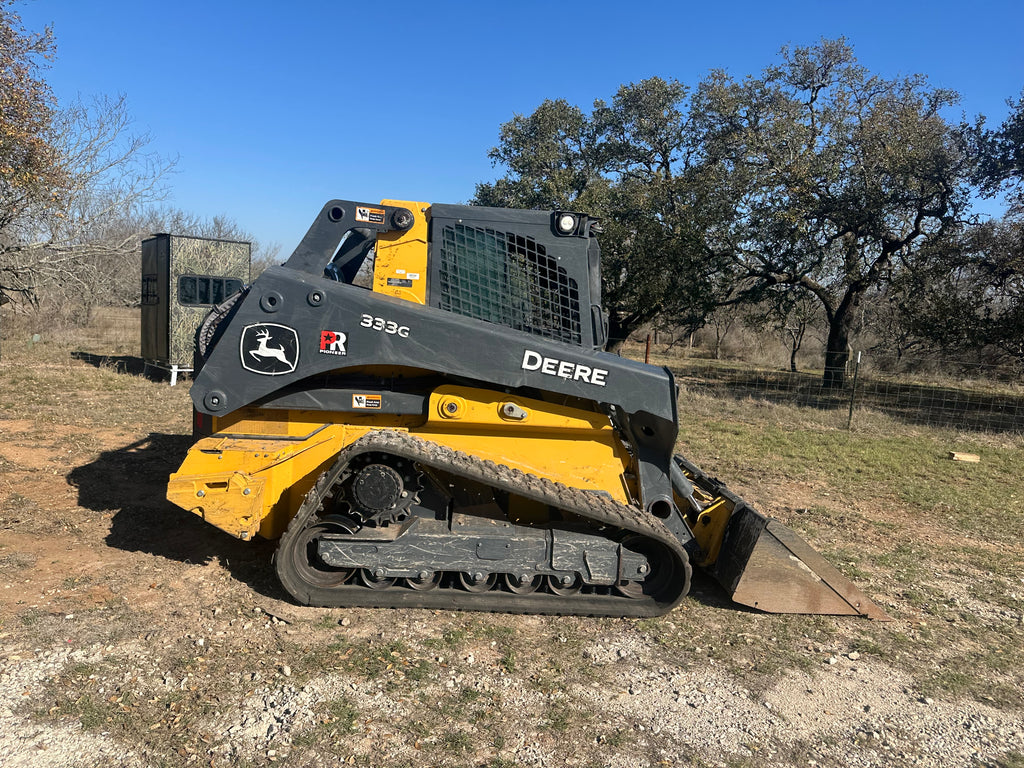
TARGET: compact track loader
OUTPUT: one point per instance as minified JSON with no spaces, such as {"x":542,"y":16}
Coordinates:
{"x":418,"y":406}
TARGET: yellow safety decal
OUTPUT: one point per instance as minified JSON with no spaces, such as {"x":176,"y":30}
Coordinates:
{"x":370,"y":215}
{"x":368,"y":402}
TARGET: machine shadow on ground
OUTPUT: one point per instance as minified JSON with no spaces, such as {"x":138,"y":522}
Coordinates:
{"x":131,"y":482}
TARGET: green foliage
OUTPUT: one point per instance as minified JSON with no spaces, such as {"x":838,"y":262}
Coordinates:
{"x":838,"y":179}
{"x":550,"y":158}
{"x":342,"y":714}
{"x":624,"y":163}
{"x":971,"y":296}
{"x":1011,"y":760}
{"x":814,"y":179}
{"x":28,"y":169}
{"x":457,"y":741}
{"x":1002,"y":155}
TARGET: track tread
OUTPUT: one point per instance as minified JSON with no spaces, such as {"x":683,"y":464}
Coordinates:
{"x":597,"y":508}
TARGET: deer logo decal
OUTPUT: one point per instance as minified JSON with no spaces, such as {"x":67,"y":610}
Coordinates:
{"x":269,"y":349}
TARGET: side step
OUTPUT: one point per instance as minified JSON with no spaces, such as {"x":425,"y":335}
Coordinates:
{"x":765,"y":565}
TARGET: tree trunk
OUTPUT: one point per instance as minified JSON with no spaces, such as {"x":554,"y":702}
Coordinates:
{"x":796,"y":337}
{"x":619,"y":329}
{"x":4,"y":299}
{"x":837,"y":348}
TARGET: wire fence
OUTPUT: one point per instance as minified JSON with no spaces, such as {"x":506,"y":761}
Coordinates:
{"x":916,"y":390}
{"x":939,"y":393}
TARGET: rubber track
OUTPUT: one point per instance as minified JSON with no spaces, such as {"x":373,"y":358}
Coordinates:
{"x":597,"y":508}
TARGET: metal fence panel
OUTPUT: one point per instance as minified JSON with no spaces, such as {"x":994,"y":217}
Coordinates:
{"x":969,"y":396}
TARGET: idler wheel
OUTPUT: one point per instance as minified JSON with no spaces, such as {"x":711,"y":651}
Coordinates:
{"x":661,"y":571}
{"x":307,"y":564}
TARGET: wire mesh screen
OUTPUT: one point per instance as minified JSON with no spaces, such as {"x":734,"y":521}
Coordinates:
{"x":508,"y":279}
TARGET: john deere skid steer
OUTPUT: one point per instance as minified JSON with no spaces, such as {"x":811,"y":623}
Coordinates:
{"x":418,"y":406}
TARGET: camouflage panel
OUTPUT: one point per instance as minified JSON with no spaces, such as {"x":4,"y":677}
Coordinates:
{"x":154,"y":297}
{"x":200,"y":257}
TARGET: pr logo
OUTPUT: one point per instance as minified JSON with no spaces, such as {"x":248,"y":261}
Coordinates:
{"x":333,"y":342}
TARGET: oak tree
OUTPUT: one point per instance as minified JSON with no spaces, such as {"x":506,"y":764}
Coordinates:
{"x":70,"y":176}
{"x":838,"y":179}
{"x":28,"y":168}
{"x":815,"y":178}
{"x":625,"y":162}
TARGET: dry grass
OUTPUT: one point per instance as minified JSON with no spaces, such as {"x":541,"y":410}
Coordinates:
{"x":937,"y":544}
{"x":940,"y":543}
{"x":87,"y":377}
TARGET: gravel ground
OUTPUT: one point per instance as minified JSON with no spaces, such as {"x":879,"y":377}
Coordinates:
{"x":618,"y":703}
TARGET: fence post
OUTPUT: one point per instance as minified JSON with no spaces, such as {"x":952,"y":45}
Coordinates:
{"x":647,"y":352}
{"x":853,"y":391}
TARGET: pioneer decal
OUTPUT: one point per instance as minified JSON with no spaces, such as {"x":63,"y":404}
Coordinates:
{"x":269,"y":349}
{"x":368,"y":402}
{"x":333,"y":343}
{"x":564,"y":369}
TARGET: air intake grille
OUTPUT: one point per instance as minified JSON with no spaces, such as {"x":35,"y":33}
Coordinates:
{"x":510,"y":280}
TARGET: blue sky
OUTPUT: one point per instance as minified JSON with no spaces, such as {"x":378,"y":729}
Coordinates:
{"x":273,"y":108}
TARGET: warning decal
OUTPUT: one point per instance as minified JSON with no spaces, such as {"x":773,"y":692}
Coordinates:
{"x":371,"y":215}
{"x":368,"y":402}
